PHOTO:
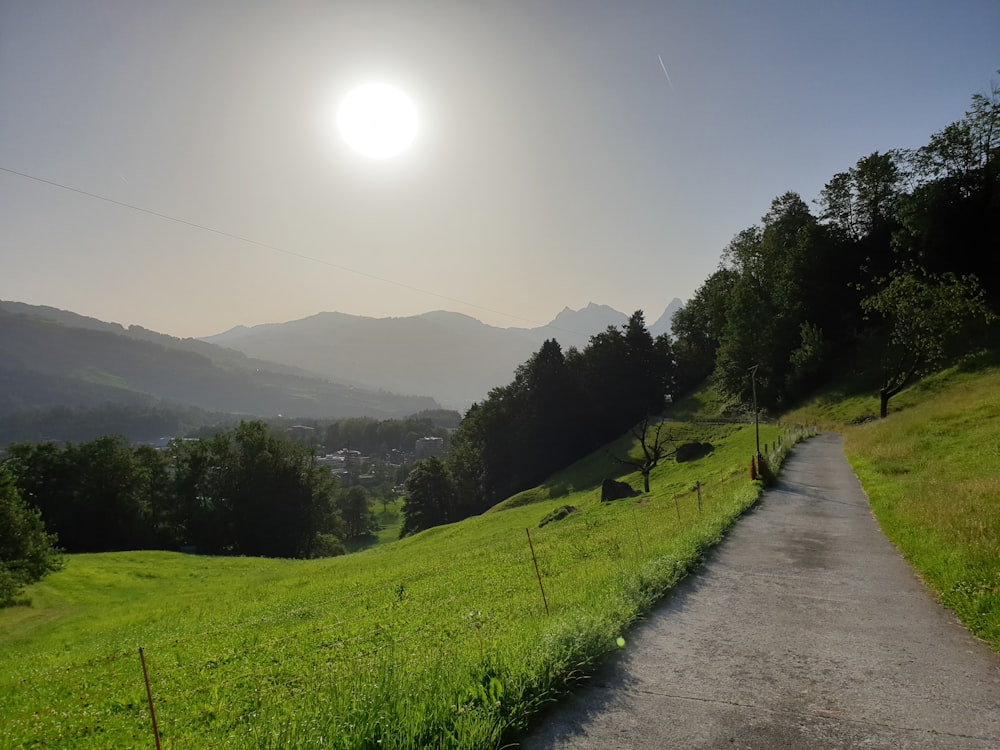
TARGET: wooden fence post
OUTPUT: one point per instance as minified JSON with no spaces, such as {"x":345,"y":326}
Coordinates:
{"x":149,"y":696}
{"x":638,"y":536}
{"x":537,"y":571}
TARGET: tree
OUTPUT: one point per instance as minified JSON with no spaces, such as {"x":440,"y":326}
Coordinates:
{"x":45,"y":479}
{"x":927,"y":320}
{"x":655,"y":447}
{"x":698,"y":328}
{"x":966,"y":147}
{"x":785,"y":276}
{"x":861,"y":202}
{"x":557,"y":409}
{"x":430,"y":497}
{"x":355,"y":508}
{"x":277,"y":495}
{"x":90,"y":494}
{"x":648,"y":376}
{"x":483,"y":456}
{"x":622,"y":375}
{"x":807,"y":361}
{"x":948,"y":221}
{"x":545,"y":418}
{"x":109,"y":495}
{"x":250,"y":492}
{"x":27,"y":552}
{"x":245,"y":491}
{"x":198,"y":516}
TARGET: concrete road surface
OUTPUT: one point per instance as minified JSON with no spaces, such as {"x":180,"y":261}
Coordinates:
{"x":804,"y":629}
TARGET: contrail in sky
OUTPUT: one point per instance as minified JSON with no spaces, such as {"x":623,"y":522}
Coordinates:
{"x":665,"y":71}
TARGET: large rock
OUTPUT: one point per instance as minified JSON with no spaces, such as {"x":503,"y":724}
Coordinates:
{"x":693,"y":451}
{"x":615,"y":490}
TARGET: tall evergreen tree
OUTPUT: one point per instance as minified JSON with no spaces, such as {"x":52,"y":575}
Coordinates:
{"x":430,"y":497}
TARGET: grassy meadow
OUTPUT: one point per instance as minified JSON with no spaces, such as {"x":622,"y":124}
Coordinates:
{"x":931,"y":471}
{"x":443,"y":639}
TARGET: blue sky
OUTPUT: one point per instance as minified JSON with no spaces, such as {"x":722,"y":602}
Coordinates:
{"x":556,"y":164}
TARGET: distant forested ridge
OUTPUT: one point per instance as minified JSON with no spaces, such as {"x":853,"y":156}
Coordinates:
{"x":54,"y":362}
{"x":146,"y":423}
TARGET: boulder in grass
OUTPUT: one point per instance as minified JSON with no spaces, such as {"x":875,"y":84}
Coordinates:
{"x":612,"y":489}
{"x":693,"y":451}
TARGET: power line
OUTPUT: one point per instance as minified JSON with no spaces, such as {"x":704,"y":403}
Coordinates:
{"x":268,"y":246}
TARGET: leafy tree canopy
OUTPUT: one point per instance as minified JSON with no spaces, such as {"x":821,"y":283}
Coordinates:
{"x":27,"y":552}
{"x":926,"y":320}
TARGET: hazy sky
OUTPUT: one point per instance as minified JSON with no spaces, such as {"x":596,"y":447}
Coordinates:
{"x":556,"y":162}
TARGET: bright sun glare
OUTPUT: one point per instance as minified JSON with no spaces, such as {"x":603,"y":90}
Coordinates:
{"x":377,"y":120}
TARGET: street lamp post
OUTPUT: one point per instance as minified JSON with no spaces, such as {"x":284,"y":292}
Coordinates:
{"x":756,"y":421}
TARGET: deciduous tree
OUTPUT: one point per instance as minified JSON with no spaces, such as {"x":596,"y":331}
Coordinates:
{"x":27,"y":552}
{"x":655,"y":444}
{"x":926,"y":321}
{"x":355,"y":508}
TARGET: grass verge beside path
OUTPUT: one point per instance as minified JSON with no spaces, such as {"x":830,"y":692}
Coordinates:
{"x":931,"y":471}
{"x":439,"y":640}
{"x":932,"y":474}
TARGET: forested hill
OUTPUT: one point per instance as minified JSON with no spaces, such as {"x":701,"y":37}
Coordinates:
{"x":45,"y":362}
{"x":895,"y":273}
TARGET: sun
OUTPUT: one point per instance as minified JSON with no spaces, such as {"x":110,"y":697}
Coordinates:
{"x":377,"y":120}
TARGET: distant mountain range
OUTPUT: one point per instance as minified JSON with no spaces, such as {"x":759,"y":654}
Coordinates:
{"x":330,"y":365}
{"x":450,"y":357}
{"x":51,"y":357}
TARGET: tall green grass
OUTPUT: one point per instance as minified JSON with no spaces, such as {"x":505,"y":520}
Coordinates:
{"x":931,"y":471}
{"x":439,"y":640}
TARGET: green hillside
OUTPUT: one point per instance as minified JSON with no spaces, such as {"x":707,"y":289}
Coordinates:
{"x":443,"y":639}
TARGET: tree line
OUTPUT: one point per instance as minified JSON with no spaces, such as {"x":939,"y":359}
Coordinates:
{"x":895,"y":275}
{"x":244,"y":491}
{"x":559,"y":406}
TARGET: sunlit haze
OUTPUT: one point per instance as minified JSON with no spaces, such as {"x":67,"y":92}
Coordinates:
{"x":189,"y":167}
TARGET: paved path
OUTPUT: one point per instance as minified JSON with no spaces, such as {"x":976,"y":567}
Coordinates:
{"x":805,"y":629}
